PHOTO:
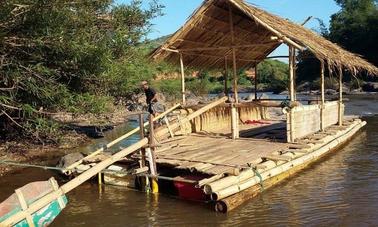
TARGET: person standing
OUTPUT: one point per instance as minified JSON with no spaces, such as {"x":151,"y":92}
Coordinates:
{"x":151,"y":97}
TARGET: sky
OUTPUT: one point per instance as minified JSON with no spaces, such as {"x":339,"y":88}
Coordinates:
{"x":176,"y":12}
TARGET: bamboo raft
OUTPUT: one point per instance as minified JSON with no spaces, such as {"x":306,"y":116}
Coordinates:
{"x":227,"y":160}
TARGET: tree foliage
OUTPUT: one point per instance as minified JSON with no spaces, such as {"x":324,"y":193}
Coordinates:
{"x":56,"y":54}
{"x":355,"y":28}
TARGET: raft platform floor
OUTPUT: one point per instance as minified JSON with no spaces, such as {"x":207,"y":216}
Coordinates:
{"x":216,"y":153}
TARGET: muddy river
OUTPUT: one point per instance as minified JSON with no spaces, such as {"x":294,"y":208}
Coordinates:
{"x":341,"y":189}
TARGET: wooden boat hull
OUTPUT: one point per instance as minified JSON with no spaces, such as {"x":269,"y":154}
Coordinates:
{"x":46,"y":215}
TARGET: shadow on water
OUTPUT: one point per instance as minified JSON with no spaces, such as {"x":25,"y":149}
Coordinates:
{"x":341,"y":189}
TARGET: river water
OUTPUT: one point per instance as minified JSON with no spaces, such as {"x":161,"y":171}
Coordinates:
{"x":341,"y":189}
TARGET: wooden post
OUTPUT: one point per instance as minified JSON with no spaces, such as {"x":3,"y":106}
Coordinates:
{"x":234,"y":111}
{"x":151,"y":155}
{"x":291,"y":73}
{"x":292,"y":92}
{"x":182,"y":80}
{"x":340,"y":96}
{"x":256,"y":82}
{"x":322,"y":91}
{"x":234,"y":122}
{"x":225,"y":77}
{"x":142,"y":162}
{"x":235,"y":85}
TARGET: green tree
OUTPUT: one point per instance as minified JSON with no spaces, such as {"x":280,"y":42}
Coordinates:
{"x":56,"y":54}
{"x":355,"y":28}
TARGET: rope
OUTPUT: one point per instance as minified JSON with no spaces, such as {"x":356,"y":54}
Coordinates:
{"x":29,"y":165}
{"x":259,"y":176}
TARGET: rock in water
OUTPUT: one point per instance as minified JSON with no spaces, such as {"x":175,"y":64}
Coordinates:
{"x":69,"y":159}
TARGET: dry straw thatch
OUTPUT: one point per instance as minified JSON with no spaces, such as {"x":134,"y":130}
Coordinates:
{"x":206,"y":39}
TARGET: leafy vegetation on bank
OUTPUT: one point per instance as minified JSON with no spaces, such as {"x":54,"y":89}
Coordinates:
{"x":68,"y":55}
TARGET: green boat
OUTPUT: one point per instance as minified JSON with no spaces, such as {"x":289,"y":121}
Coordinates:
{"x":26,"y":196}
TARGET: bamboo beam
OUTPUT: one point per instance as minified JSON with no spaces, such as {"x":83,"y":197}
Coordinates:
{"x":340,"y":96}
{"x":268,"y":27}
{"x":182,"y":80}
{"x":224,"y":47}
{"x":322,"y":91}
{"x":219,"y":56}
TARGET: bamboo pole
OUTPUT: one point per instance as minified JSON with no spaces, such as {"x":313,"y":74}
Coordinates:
{"x":290,"y":115}
{"x":234,"y":122}
{"x":291,"y":73}
{"x":225,"y":77}
{"x":227,"y":182}
{"x":256,"y":82}
{"x":190,"y":117}
{"x":272,"y":176}
{"x":127,"y":135}
{"x":235,"y":85}
{"x":340,"y":96}
{"x":42,"y":202}
{"x":182,"y":80}
{"x":322,"y":91}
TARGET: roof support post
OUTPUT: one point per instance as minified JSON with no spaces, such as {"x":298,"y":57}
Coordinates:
{"x":234,"y":109}
{"x":291,"y":73}
{"x":225,"y":77}
{"x":236,"y":96}
{"x":322,"y":91}
{"x":182,"y":80}
{"x":341,"y":96}
{"x":256,"y":82}
{"x":231,"y":20}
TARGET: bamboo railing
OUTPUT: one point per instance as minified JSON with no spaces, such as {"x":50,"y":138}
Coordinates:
{"x":114,"y":142}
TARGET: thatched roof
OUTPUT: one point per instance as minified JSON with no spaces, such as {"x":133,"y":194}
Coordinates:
{"x":257,"y":34}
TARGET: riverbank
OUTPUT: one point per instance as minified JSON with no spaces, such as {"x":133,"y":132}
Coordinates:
{"x":76,"y":130}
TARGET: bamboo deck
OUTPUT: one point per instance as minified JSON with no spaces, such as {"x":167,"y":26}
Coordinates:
{"x":216,"y":153}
